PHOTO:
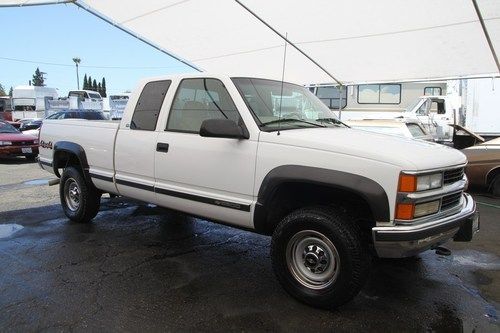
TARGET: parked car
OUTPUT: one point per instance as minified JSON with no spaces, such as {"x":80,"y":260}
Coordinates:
{"x":30,"y":124}
{"x":398,"y":127}
{"x":483,"y":169}
{"x":90,"y":115}
{"x":221,"y":148}
{"x":15,"y":143}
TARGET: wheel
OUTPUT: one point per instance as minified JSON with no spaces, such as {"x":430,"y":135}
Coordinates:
{"x":318,"y":256}
{"x":31,"y":158}
{"x":80,"y":200}
{"x":495,"y":186}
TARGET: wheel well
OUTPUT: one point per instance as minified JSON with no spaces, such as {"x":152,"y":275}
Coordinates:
{"x":63,"y":159}
{"x":491,"y":175}
{"x":293,"y":195}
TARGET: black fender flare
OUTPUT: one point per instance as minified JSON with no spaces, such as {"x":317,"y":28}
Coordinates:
{"x":372,"y":192}
{"x":75,"y":149}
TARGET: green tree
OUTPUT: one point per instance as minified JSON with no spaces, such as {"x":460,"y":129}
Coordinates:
{"x":99,"y":88}
{"x":2,"y":90}
{"x":11,"y":91}
{"x":103,"y":85}
{"x":38,"y":79}
{"x":85,"y":83}
{"x":94,"y":85}
{"x":89,"y":83}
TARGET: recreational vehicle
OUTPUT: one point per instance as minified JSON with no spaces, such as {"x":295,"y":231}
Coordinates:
{"x":30,"y":101}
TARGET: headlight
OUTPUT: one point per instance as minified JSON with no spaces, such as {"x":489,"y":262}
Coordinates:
{"x":429,"y":182}
{"x":5,"y":143}
{"x":414,"y":183}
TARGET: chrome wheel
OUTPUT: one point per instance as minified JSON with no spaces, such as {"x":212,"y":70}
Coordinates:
{"x":312,"y":259}
{"x":72,"y":194}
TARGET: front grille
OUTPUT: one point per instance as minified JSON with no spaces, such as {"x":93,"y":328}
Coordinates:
{"x":450,"y":201}
{"x":22,"y":143}
{"x":453,"y":175}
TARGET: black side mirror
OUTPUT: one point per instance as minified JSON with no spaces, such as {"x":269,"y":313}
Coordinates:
{"x":222,"y":128}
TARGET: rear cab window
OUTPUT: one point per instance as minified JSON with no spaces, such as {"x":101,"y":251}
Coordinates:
{"x":149,"y":105}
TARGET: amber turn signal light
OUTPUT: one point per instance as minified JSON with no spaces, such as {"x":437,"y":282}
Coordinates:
{"x":405,"y":211}
{"x":407,"y":183}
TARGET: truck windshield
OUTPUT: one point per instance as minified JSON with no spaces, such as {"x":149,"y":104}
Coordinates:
{"x":284,"y":106}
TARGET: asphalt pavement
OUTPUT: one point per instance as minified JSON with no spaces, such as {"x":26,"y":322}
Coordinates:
{"x":138,"y":267}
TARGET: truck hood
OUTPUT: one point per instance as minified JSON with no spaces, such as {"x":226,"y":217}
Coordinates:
{"x":409,"y":154}
{"x":16,"y":137}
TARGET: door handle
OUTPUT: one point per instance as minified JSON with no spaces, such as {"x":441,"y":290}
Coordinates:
{"x":162,"y":147}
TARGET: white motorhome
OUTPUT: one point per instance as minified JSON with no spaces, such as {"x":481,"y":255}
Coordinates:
{"x":30,"y":101}
{"x":372,"y":101}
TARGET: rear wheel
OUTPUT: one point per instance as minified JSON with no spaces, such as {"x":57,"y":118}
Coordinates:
{"x":319,"y":257}
{"x":79,"y":199}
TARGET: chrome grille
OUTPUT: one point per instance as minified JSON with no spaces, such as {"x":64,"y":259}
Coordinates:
{"x":453,"y":175}
{"x":450,"y":201}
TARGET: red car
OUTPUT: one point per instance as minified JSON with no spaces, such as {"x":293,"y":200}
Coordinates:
{"x":15,"y":143}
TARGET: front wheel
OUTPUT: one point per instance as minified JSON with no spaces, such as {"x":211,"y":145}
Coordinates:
{"x":319,"y":257}
{"x":79,"y":199}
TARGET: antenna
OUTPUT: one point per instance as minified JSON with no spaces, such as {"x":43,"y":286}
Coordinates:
{"x":282,"y":79}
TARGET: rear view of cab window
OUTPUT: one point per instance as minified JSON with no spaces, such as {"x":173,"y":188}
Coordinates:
{"x":148,"y":106}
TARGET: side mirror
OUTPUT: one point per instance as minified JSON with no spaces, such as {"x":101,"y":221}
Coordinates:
{"x":222,"y":128}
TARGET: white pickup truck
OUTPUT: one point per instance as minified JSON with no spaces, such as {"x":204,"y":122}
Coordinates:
{"x":227,"y":149}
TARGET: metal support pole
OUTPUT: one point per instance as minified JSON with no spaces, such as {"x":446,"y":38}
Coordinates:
{"x":288,"y":41}
{"x":486,"y":34}
{"x":77,"y":78}
{"x":340,"y":101}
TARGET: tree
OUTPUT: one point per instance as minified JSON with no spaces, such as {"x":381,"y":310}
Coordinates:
{"x":89,"y":83}
{"x":2,"y":90}
{"x":85,"y":83}
{"x":99,"y":88}
{"x":103,"y":85}
{"x":38,"y":79}
{"x":11,"y":91}
{"x":94,"y":85}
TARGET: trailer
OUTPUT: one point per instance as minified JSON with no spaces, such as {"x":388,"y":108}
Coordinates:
{"x":31,"y":101}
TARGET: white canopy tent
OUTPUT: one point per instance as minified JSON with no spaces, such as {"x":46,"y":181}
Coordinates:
{"x":355,"y":41}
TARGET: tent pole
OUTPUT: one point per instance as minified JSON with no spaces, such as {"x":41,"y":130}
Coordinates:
{"x":486,"y":34}
{"x":288,"y":41}
{"x":340,"y":101}
{"x":55,"y":2}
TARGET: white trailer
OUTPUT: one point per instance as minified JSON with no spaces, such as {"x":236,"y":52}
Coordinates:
{"x":30,"y":101}
{"x":481,"y":106}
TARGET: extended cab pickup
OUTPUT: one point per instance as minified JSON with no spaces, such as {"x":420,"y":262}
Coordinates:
{"x":268,"y":156}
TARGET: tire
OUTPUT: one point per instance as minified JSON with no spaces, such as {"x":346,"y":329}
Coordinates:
{"x":495,"y":186}
{"x":319,"y":257}
{"x":79,"y":199}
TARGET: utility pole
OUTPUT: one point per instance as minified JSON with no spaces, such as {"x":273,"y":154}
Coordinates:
{"x":77,"y":62}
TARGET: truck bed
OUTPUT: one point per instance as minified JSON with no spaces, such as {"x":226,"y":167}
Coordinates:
{"x":96,"y":137}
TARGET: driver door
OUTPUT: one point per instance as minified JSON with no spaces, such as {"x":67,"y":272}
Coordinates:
{"x":209,"y":177}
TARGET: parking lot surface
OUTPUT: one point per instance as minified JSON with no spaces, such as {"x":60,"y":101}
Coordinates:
{"x":138,"y":267}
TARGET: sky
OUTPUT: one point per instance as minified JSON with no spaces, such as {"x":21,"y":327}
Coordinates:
{"x":49,"y":37}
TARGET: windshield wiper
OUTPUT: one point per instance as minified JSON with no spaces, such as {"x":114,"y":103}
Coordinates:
{"x":331,"y":120}
{"x":287,"y":120}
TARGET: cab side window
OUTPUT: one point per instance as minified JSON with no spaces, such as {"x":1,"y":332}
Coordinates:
{"x":197,"y":100}
{"x":149,"y":105}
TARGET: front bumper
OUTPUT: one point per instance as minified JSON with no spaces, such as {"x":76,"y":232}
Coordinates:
{"x":18,"y":150}
{"x":407,"y":240}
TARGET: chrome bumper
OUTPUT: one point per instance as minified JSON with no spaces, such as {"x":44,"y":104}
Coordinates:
{"x":407,"y":240}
